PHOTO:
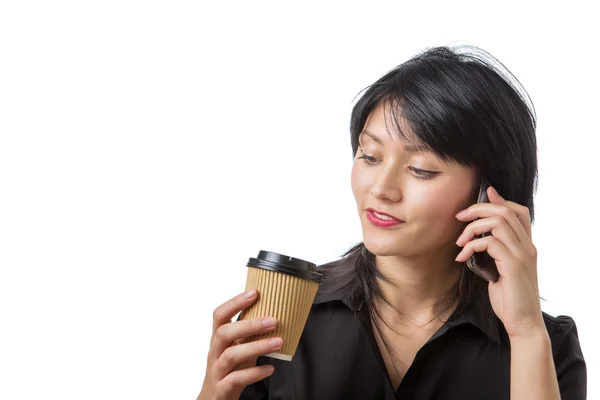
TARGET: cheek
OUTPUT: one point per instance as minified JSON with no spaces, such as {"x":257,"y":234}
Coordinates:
{"x":358,"y":180}
{"x":440,"y":204}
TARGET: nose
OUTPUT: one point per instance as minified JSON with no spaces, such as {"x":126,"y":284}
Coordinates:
{"x":387,"y":185}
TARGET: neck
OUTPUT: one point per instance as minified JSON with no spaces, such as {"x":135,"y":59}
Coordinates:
{"x":419,"y":287}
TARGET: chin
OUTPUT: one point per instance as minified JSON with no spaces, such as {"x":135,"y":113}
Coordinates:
{"x":383,"y":246}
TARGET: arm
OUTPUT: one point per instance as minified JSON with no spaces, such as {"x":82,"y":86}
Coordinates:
{"x":549,"y":364}
{"x":546,"y":362}
{"x":532,"y":371}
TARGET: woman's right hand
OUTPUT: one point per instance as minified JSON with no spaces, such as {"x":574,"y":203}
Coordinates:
{"x":231,"y":366}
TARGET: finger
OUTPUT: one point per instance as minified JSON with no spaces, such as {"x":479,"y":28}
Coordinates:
{"x":249,"y":363}
{"x":495,"y":249}
{"x":226,"y":311}
{"x":523,"y":214}
{"x":240,"y":353}
{"x":229,"y":333}
{"x":497,"y":226}
{"x":485,"y":210}
{"x":236,"y":381}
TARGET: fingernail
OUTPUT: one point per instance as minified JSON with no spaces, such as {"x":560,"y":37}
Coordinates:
{"x":250,"y":293}
{"x":276,"y":342}
{"x":269,"y":322}
{"x":462,"y":213}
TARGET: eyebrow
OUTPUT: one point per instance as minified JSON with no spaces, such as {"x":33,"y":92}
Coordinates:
{"x":411,"y":147}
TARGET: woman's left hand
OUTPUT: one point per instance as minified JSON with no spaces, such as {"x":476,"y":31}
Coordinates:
{"x":515,"y":296}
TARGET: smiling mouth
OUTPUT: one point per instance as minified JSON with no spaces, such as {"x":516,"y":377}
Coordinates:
{"x":382,"y":221}
{"x":382,"y":215}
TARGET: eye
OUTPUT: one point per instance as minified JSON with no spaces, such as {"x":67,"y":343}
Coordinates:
{"x":423,"y":174}
{"x":368,"y":159}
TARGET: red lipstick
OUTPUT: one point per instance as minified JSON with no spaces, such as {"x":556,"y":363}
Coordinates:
{"x":383,"y":223}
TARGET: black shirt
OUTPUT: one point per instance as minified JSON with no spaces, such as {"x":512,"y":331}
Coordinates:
{"x":467,"y":358}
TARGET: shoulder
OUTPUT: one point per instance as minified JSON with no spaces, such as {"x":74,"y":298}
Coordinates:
{"x":563,"y":334}
{"x":568,"y":358}
{"x":560,"y":328}
{"x":333,"y":306}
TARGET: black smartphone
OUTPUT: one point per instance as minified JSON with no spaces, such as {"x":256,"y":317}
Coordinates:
{"x":482,"y":264}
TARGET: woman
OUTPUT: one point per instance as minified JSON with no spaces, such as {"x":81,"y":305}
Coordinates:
{"x":400,"y":316}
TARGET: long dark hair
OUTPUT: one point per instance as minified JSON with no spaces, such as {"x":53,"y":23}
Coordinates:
{"x":466,"y":107}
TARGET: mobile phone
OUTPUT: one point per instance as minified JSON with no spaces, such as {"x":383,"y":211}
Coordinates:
{"x":482,"y":264}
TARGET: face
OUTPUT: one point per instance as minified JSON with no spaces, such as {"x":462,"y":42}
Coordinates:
{"x":412,"y":185}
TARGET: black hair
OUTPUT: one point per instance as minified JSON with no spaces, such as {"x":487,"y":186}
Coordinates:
{"x":466,"y":107}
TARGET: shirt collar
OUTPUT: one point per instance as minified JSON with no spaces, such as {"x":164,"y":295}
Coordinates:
{"x":478,"y":312}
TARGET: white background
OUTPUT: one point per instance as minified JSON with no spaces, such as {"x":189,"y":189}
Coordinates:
{"x":148,"y":149}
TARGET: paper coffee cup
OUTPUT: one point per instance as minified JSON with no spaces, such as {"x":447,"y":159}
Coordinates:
{"x":287,"y":288}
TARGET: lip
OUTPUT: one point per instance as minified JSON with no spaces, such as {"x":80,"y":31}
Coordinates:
{"x":381,"y":222}
{"x":382,"y":213}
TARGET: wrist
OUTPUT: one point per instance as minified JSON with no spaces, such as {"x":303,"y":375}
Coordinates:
{"x":534,"y":338}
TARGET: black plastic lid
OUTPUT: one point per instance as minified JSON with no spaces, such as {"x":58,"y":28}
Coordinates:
{"x":285,"y":264}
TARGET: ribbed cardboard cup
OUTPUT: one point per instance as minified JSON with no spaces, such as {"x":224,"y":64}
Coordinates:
{"x":287,"y":288}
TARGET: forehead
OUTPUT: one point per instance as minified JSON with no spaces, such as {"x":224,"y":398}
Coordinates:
{"x":412,"y":146}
